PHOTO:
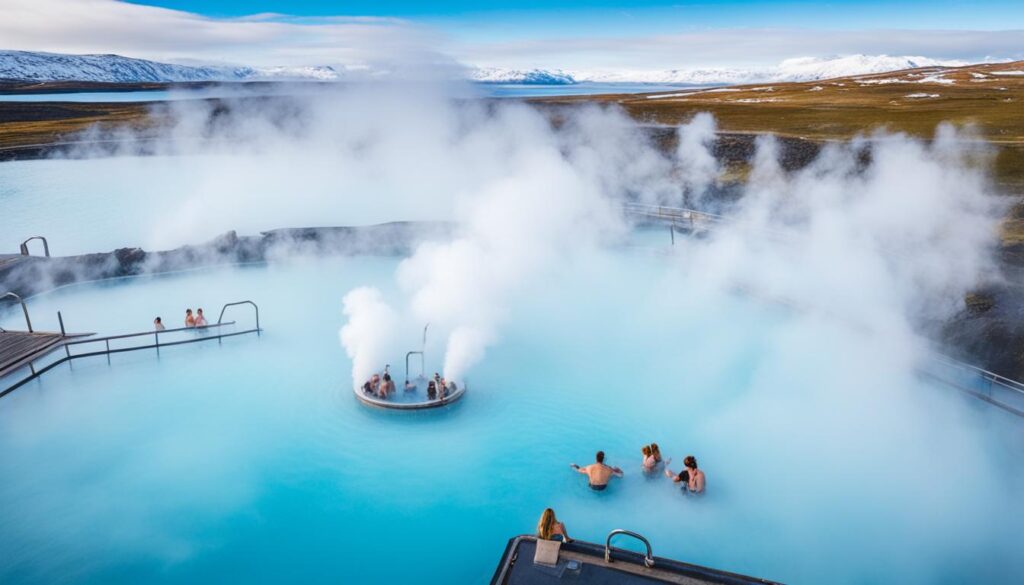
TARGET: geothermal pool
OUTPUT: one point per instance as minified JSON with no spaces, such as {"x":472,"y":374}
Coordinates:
{"x":251,"y":461}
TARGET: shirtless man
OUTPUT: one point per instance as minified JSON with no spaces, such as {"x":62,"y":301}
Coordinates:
{"x":693,"y":477}
{"x":598,"y":473}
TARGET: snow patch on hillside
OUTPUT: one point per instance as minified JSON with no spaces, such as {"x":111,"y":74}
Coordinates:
{"x":802,"y":69}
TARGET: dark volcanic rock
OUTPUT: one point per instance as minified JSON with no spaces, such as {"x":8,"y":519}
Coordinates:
{"x":29,"y":275}
{"x":989,"y":331}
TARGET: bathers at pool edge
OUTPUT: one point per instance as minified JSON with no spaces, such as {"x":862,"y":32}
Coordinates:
{"x":597,"y":488}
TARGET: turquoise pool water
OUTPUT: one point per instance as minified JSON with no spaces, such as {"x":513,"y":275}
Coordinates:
{"x":251,"y":461}
{"x":161,"y":202}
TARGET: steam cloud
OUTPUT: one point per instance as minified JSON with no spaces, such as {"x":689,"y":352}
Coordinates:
{"x":909,"y":222}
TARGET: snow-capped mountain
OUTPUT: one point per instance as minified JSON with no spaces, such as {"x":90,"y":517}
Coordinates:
{"x":799,"y":69}
{"x":524,"y":76}
{"x":316,"y":73}
{"x":34,"y":66}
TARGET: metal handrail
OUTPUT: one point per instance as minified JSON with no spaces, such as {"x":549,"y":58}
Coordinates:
{"x":648,"y":558}
{"x":35,"y":373}
{"x":254,"y":306}
{"x":46,"y":246}
{"x":1008,"y":383}
{"x":667,"y":212}
{"x":24,"y":308}
{"x":156,"y":332}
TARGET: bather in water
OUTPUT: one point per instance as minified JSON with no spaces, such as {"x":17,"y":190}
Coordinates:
{"x":598,"y":473}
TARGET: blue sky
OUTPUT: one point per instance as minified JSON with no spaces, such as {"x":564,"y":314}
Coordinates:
{"x":563,"y":34}
{"x":611,"y":16}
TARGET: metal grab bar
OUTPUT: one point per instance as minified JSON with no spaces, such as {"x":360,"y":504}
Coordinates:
{"x":423,"y":365}
{"x":421,"y":353}
{"x":46,"y":246}
{"x":24,"y":308}
{"x":254,"y":306}
{"x":648,"y":558}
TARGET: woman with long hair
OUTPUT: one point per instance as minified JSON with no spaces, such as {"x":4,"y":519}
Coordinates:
{"x":549,"y":527}
{"x":649,"y":462}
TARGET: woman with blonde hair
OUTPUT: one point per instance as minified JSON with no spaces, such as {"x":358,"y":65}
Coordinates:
{"x":549,"y":527}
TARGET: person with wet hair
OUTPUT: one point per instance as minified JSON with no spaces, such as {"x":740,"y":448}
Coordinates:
{"x":431,"y":390}
{"x":656,"y":452}
{"x":690,"y":476}
{"x":549,"y":527}
{"x":387,"y":386}
{"x":649,"y":462}
{"x":158,"y":324}
{"x":598,"y":474}
{"x":200,"y":319}
{"x":190,"y":321}
{"x":442,"y":388}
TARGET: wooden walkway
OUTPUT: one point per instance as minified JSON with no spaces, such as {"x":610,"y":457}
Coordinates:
{"x":19,"y":347}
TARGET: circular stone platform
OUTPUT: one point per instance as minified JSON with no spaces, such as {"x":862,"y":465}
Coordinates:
{"x":410,"y":399}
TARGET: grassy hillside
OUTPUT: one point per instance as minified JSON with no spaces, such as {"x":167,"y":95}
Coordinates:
{"x":33,"y":124}
{"x":989,"y":96}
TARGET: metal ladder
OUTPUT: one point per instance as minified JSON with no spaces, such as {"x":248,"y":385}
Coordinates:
{"x":46,"y":246}
{"x":648,"y":558}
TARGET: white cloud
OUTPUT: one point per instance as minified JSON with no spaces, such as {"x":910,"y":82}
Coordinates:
{"x":109,"y":26}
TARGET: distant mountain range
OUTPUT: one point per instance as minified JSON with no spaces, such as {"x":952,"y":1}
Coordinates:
{"x":31,"y":66}
{"x":35,"y":66}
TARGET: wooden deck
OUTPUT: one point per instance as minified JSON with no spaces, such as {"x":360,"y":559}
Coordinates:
{"x":18,"y":347}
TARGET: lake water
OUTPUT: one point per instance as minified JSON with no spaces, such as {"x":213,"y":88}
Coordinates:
{"x":511,"y":90}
